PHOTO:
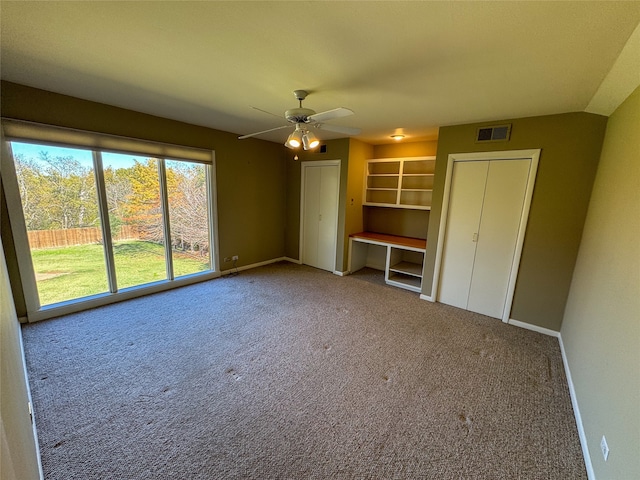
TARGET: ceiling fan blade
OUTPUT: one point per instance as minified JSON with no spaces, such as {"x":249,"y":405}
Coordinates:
{"x":329,"y":114}
{"x":268,"y":113}
{"x":263,"y":131}
{"x":338,"y":129}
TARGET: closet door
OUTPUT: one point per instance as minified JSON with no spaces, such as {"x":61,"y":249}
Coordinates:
{"x":501,"y":213}
{"x":465,"y":207}
{"x":320,"y":215}
{"x":485,"y":209}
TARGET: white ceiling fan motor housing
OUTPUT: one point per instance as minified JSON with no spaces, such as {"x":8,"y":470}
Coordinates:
{"x":298,"y":115}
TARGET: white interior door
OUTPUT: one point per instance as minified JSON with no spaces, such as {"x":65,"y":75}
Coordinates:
{"x":321,"y":184}
{"x":504,"y":197}
{"x":465,"y":208}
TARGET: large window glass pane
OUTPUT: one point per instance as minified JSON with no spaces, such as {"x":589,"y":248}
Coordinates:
{"x":188,"y":216}
{"x":58,"y":192}
{"x":135,"y":214}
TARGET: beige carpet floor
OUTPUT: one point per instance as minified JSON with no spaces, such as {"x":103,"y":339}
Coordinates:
{"x":288,"y":372}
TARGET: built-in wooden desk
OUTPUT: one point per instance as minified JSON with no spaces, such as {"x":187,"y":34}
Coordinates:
{"x":401,"y":258}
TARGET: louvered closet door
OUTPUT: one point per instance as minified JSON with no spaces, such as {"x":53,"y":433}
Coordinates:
{"x":485,"y":209}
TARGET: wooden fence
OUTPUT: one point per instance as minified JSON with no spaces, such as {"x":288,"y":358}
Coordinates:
{"x":76,"y":236}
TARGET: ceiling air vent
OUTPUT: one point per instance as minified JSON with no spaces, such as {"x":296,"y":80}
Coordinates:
{"x":496,"y":133}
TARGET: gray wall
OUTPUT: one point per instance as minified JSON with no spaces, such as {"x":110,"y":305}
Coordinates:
{"x":571,"y":145}
{"x":601,"y":327}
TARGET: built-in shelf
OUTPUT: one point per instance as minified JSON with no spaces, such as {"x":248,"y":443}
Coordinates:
{"x":400,"y":182}
{"x":405,"y":281}
{"x":407,"y":268}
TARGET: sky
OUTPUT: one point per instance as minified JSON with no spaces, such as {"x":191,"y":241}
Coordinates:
{"x":115,"y":160}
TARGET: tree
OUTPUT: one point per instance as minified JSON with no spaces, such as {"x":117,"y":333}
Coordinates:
{"x":142,"y":207}
{"x":32,"y":188}
{"x":57,"y":192}
{"x":188,"y":206}
{"x":119,"y":190}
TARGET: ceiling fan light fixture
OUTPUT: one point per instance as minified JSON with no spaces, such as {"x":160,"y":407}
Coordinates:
{"x":310,"y":141}
{"x":295,"y":139}
{"x":397,"y":137}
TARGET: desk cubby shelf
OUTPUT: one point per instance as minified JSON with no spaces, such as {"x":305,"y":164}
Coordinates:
{"x":401,"y":258}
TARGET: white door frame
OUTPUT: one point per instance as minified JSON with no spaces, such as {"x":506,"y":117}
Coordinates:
{"x":303,"y":172}
{"x":531,"y":154}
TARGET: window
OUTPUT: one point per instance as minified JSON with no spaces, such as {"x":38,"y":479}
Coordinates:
{"x":135,"y":214}
{"x":187,"y":198}
{"x":104,"y":224}
{"x":60,"y":205}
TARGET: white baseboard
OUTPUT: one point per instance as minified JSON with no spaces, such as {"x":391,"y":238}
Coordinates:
{"x":535,"y":328}
{"x":268,"y":262}
{"x":30,"y":400}
{"x":576,"y":412}
{"x":254,"y":265}
{"x":426,"y":297}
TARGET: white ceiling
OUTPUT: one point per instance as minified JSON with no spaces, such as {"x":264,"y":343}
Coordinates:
{"x":401,"y":66}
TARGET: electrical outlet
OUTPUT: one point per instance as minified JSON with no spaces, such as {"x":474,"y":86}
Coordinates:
{"x":227,"y":259}
{"x":604,"y":447}
{"x":234,"y":258}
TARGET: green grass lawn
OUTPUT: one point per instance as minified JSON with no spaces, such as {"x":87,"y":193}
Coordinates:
{"x":79,"y":271}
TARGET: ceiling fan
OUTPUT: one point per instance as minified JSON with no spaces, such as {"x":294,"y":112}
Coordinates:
{"x":304,"y":118}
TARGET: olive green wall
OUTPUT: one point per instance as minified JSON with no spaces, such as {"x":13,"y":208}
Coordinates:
{"x":335,"y":150}
{"x":18,"y":448}
{"x":601,"y":327}
{"x":292,"y":220}
{"x":359,"y":152}
{"x":405,"y":149}
{"x":397,"y":221}
{"x":400,"y":221}
{"x":571,"y":145}
{"x":250,"y":173}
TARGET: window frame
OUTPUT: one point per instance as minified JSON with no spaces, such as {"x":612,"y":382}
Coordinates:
{"x":35,"y":311}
